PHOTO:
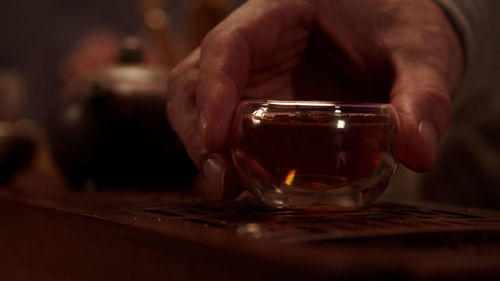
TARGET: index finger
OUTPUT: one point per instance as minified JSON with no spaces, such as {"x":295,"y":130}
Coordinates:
{"x":229,"y":52}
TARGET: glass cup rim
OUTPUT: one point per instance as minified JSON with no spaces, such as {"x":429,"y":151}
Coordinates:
{"x":312,"y":105}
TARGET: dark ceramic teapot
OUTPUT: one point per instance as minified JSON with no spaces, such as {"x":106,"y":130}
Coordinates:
{"x":111,"y":130}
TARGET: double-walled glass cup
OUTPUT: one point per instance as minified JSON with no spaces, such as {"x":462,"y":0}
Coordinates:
{"x":300,"y":154}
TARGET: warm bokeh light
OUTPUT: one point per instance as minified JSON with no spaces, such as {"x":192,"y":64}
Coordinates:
{"x":156,"y":18}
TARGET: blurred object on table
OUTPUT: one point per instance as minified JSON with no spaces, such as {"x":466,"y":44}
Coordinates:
{"x":110,"y":129}
{"x":17,"y":147}
{"x":17,"y":138}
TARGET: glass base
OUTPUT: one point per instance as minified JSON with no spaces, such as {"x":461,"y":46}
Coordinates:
{"x":306,"y":196}
{"x":348,"y":197}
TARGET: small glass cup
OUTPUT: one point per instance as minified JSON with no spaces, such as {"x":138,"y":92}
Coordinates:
{"x":303,"y":154}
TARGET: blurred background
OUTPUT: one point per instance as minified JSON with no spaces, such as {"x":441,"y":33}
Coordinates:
{"x":38,"y":36}
{"x":78,"y":81}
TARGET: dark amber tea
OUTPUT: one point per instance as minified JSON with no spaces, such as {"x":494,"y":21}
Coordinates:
{"x":292,"y":152}
{"x":313,"y":153}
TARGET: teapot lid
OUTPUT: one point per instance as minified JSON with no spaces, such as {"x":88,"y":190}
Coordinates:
{"x":131,"y":74}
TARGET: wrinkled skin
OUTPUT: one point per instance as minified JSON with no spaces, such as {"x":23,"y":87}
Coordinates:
{"x":402,"y":52}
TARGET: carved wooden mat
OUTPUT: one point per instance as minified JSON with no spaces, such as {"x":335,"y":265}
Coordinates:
{"x":380,"y":224}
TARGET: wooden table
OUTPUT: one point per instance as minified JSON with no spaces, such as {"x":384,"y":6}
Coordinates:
{"x":54,"y":233}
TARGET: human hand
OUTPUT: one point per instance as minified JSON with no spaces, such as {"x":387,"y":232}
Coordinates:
{"x":402,"y":52}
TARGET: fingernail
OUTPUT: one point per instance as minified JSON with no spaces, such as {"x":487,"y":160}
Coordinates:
{"x":214,"y":171}
{"x":428,"y":132}
{"x":202,"y":125}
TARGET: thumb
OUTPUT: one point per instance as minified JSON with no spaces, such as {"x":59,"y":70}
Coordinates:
{"x":421,"y":98}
